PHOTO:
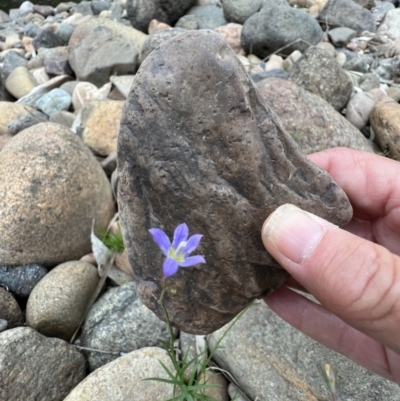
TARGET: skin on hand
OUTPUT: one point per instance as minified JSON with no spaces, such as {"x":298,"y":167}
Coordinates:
{"x":353,"y":272}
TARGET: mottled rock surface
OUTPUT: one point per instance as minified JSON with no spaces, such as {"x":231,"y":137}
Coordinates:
{"x":9,"y":309}
{"x":319,"y":73}
{"x":123,"y":379}
{"x":275,"y":362}
{"x":119,"y":321}
{"x":312,"y":122}
{"x":197,"y":144}
{"x":33,"y":367}
{"x":49,"y":199}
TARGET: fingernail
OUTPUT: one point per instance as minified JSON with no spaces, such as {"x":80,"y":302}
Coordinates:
{"x":293,"y":232}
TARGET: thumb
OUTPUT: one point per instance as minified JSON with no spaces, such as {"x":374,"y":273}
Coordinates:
{"x":355,"y":279}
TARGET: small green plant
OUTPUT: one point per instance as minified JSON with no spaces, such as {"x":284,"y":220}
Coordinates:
{"x":114,"y":242}
{"x":330,"y":377}
{"x":185,"y":379}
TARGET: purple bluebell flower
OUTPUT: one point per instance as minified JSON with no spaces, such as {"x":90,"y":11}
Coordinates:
{"x":178,"y":252}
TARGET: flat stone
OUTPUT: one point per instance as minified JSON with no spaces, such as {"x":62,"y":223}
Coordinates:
{"x":58,"y":302}
{"x":195,"y":131}
{"x":273,"y":361}
{"x":26,"y":120}
{"x":124,"y":379}
{"x":40,"y":193}
{"x":311,"y":121}
{"x":319,"y":73}
{"x":21,"y":280}
{"x":123,"y":83}
{"x":119,"y":321}
{"x":33,"y":367}
{"x":347,"y":13}
{"x":8,"y":112}
{"x":341,"y":36}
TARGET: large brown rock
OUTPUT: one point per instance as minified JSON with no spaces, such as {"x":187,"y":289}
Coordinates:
{"x":311,"y":121}
{"x":197,"y":144}
{"x":51,"y":189}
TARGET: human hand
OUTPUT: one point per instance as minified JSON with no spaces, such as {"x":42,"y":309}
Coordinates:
{"x":353,"y":272}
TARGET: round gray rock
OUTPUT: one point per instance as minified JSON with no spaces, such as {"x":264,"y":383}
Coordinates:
{"x":33,"y":367}
{"x":57,"y":304}
{"x":275,"y":27}
{"x":52,"y":188}
{"x":240,"y":10}
{"x":196,"y":133}
{"x":119,"y":321}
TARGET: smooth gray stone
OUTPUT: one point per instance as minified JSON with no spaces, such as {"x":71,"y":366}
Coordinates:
{"x":197,"y":144}
{"x":141,"y":12}
{"x":11,"y":61}
{"x":369,"y":81}
{"x":47,"y":39}
{"x":54,"y":101}
{"x":100,"y":5}
{"x":347,"y":13}
{"x":202,"y":17}
{"x":240,"y":10}
{"x":64,"y":31}
{"x":275,"y":27}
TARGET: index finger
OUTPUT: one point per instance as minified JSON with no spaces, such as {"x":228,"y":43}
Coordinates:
{"x":370,"y":181}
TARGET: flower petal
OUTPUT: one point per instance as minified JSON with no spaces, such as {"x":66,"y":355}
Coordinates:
{"x":180,"y":234}
{"x":192,"y":260}
{"x":192,"y":243}
{"x":161,"y":239}
{"x":170,"y":267}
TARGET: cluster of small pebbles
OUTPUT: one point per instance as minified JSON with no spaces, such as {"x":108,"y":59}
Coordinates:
{"x":330,"y":71}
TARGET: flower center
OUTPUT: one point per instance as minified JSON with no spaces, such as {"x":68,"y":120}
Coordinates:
{"x":178,"y":254}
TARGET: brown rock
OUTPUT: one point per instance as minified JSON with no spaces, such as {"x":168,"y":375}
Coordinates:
{"x":311,"y":121}
{"x":57,"y":303}
{"x":100,"y":120}
{"x":198,"y":145}
{"x":9,"y":309}
{"x":49,"y":199}
{"x":385,"y":121}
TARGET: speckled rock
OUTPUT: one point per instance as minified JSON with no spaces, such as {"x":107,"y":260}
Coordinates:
{"x":9,"y":309}
{"x":319,"y":73}
{"x":232,"y":33}
{"x":385,"y":121}
{"x":26,"y":120}
{"x":196,"y":132}
{"x":273,"y":361}
{"x":119,"y":321}
{"x":33,"y":367}
{"x":100,"y":121}
{"x":21,"y":280}
{"x":311,"y":121}
{"x":40,"y":194}
{"x":123,"y":379}
{"x":56,"y":305}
